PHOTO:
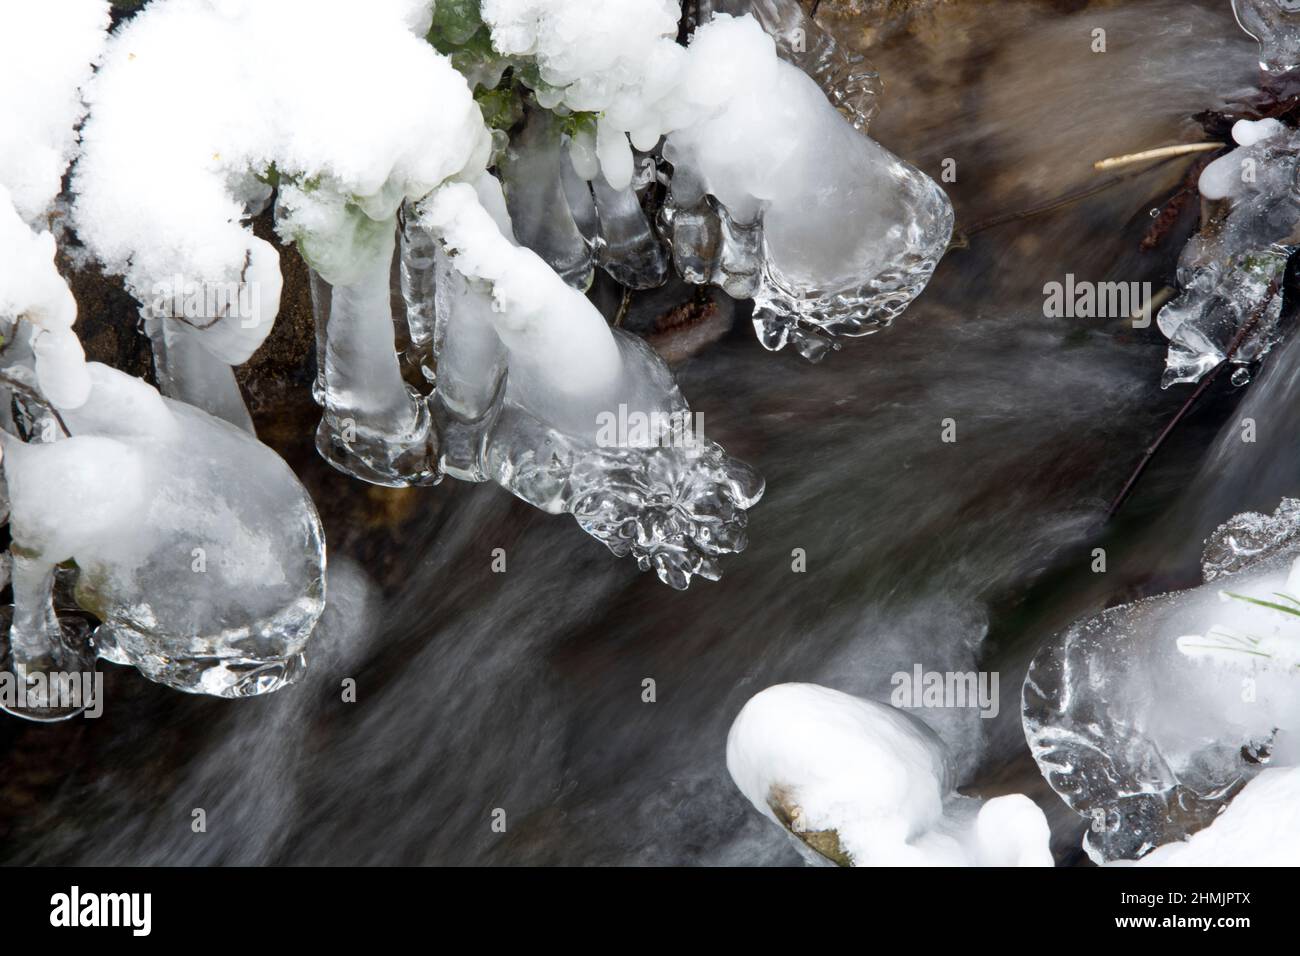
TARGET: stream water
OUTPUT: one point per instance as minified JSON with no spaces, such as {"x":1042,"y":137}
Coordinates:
{"x":523,"y":690}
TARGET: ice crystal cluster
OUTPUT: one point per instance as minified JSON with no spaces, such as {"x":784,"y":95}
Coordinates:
{"x":452,"y":173}
{"x":1148,"y":718}
{"x":1231,"y":271}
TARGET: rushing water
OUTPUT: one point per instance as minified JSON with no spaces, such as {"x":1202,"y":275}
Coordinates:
{"x":523,"y":690}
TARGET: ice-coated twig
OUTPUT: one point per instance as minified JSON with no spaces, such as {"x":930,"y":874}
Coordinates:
{"x":591,"y":421}
{"x":378,"y":118}
{"x":1229,"y":272}
{"x":846,"y":234}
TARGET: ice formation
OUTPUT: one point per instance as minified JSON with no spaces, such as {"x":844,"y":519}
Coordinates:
{"x":775,"y":195}
{"x":354,"y":116}
{"x":1149,"y":717}
{"x":865,"y":784}
{"x":1231,"y":271}
{"x":1275,"y":24}
{"x":195,"y":546}
{"x":46,"y":54}
{"x":534,"y":377}
{"x":1260,"y":827}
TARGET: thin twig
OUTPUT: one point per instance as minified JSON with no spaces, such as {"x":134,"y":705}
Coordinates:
{"x":1163,"y":152}
{"x":31,"y":394}
{"x":1205,"y":383}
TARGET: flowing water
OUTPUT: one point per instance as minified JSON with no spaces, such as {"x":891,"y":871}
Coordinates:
{"x":523,"y":691}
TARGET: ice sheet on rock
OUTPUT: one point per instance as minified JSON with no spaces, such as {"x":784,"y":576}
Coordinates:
{"x":1275,"y":24}
{"x":195,"y":545}
{"x":1260,"y":827}
{"x":1148,"y":739}
{"x":1230,"y":273}
{"x":861,"y":783}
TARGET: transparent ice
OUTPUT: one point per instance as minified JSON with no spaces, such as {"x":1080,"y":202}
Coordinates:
{"x":537,"y":393}
{"x":1276,"y":25}
{"x":676,"y":502}
{"x":374,"y":426}
{"x":472,"y":373}
{"x":1145,"y":733}
{"x":845,"y":234}
{"x":193,"y":544}
{"x":533,"y":173}
{"x":1230,"y":273}
{"x":418,"y":251}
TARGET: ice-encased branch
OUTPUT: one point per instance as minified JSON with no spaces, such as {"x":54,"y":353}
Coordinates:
{"x":1230,"y":271}
{"x":355,"y":115}
{"x":831,"y":234}
{"x":668,"y":496}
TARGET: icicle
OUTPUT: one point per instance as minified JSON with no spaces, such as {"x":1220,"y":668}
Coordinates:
{"x":419,"y":290}
{"x":630,"y":251}
{"x":539,"y":207}
{"x":188,"y":372}
{"x":375,"y":427}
